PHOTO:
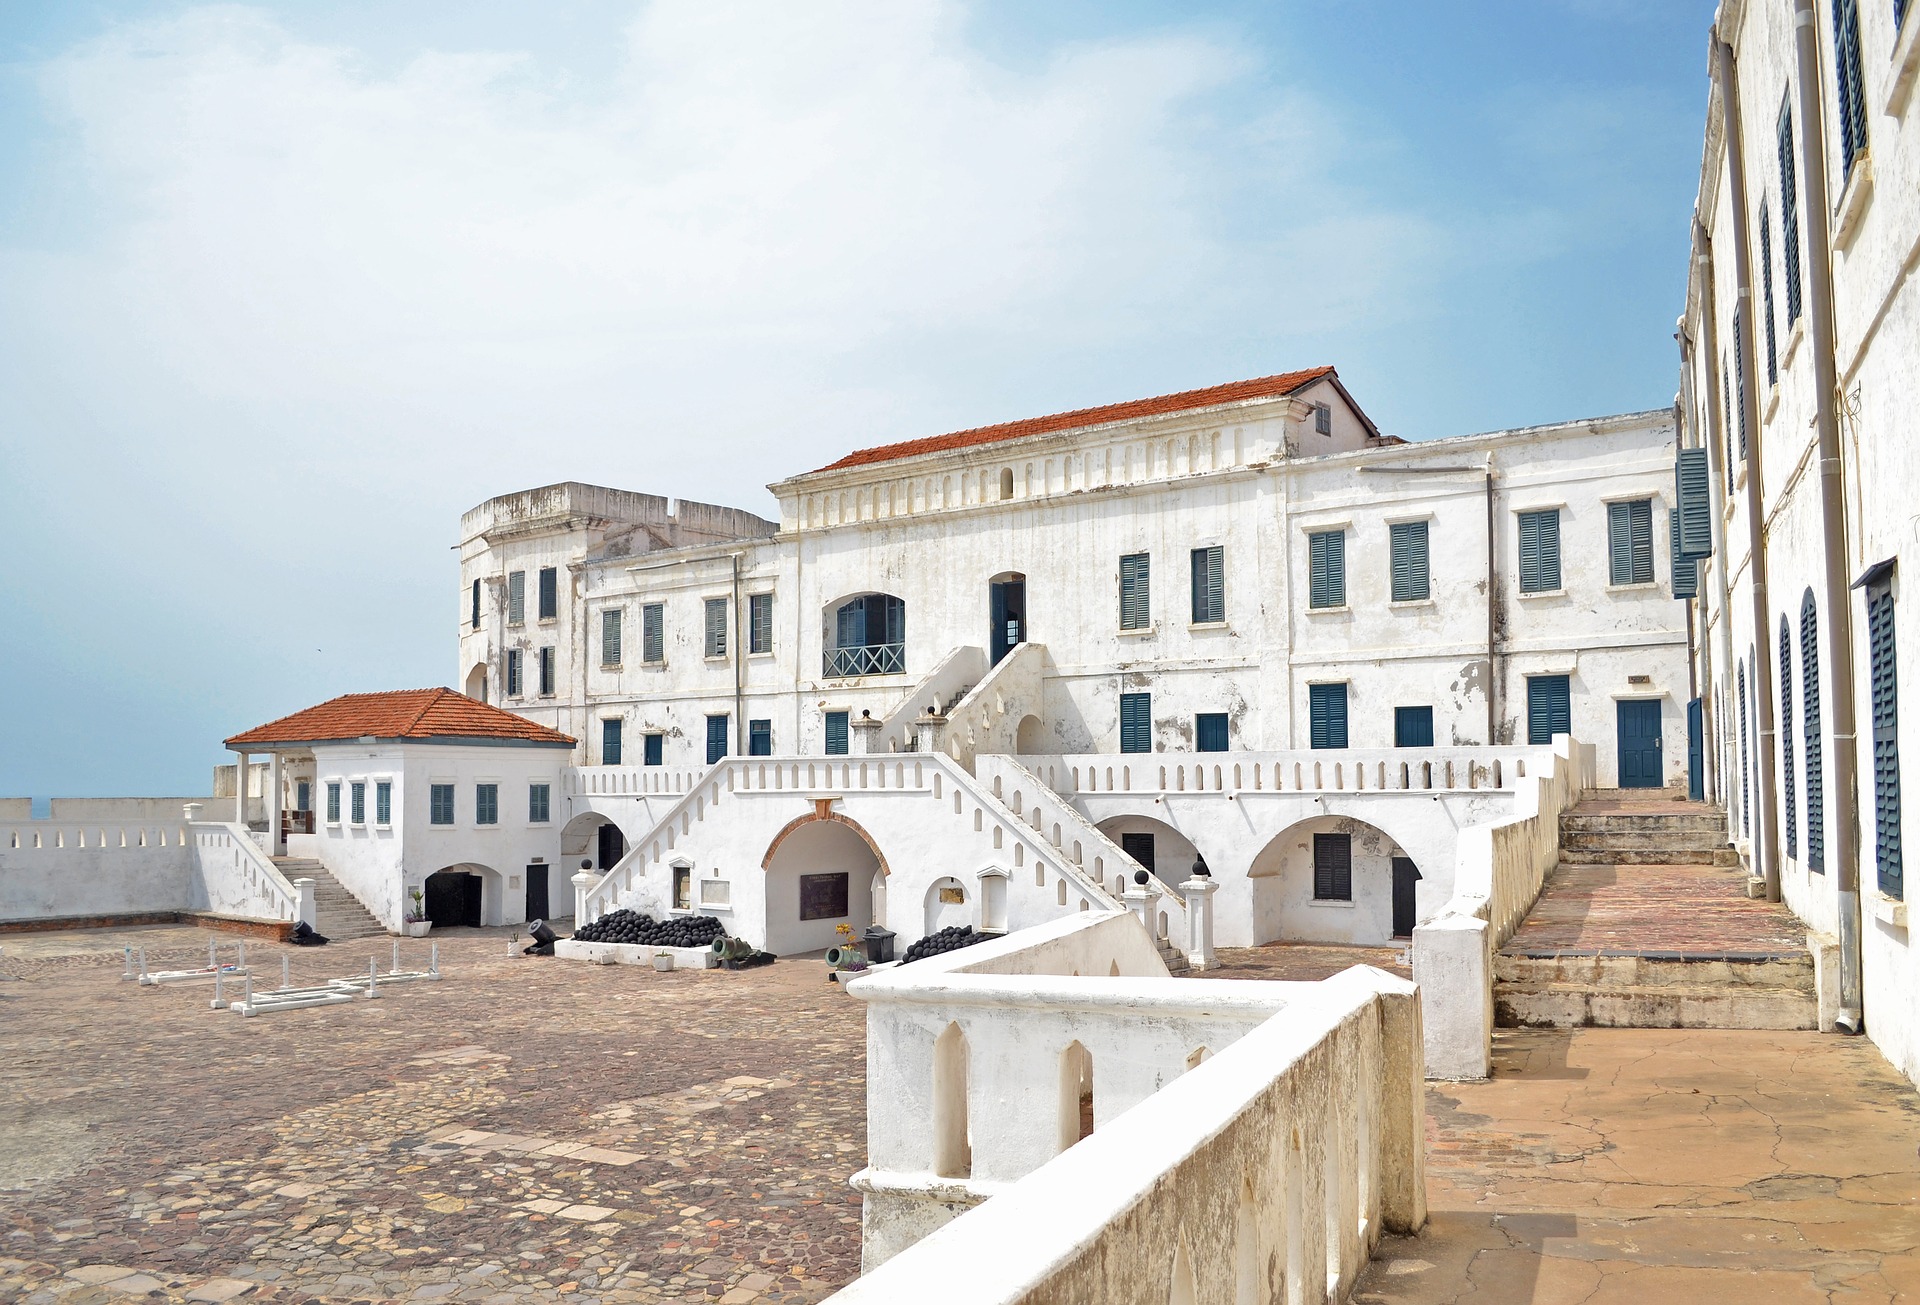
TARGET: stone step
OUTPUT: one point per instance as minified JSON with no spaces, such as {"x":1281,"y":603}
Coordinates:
{"x":339,"y":914}
{"x":1632,"y":856}
{"x":1615,"y":970}
{"x":1579,"y":821}
{"x":1680,"y":840}
{"x":1660,"y":1006}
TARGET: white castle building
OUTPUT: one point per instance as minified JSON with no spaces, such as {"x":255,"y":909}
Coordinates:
{"x":1235,"y":624}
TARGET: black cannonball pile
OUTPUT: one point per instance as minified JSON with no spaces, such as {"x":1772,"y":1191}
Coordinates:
{"x":950,"y":939}
{"x":633,"y":927}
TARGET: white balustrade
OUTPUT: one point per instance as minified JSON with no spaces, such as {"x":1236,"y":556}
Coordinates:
{"x":1378,"y":770}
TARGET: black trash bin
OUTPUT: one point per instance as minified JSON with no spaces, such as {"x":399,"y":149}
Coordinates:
{"x":879,"y":945}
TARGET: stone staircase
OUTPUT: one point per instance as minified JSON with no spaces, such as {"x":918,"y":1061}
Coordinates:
{"x":1177,"y":963}
{"x":341,"y":916}
{"x":1646,"y":923}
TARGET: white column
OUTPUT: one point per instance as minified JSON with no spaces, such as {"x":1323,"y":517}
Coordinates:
{"x":581,"y":883}
{"x":1139,"y":899}
{"x":240,"y":791}
{"x":1199,"y":892}
{"x":309,"y":910}
{"x":274,"y":804}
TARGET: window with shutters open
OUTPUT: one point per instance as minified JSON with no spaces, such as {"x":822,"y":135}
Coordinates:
{"x":1790,"y":817}
{"x":1810,"y":736}
{"x":513,"y":672}
{"x":1136,"y":722}
{"x":549,"y":593}
{"x":836,"y":734}
{"x":1327,"y":569}
{"x":1549,"y":708}
{"x":1136,"y":600}
{"x":716,"y":627}
{"x":1630,"y":542}
{"x":653,"y":626}
{"x":1884,"y":684}
{"x":1693,"y":493}
{"x":517,"y":598}
{"x":1407,"y":546}
{"x":759,"y":623}
{"x":1210,"y":730}
{"x":1327,"y":715}
{"x":610,"y":637}
{"x":546,"y":672}
{"x":1540,"y":551}
{"x":1333,"y":867}
{"x":1209,"y":585}
{"x":1686,"y":570}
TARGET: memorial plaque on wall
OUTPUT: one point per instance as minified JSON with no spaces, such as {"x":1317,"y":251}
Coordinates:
{"x":823,"y":897}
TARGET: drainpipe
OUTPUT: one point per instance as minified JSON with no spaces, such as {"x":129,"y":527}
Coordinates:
{"x":1833,"y":519}
{"x":1765,"y":839}
{"x":1493,"y":592}
{"x":1717,"y":446}
{"x":1699,"y":640}
{"x":739,"y":666}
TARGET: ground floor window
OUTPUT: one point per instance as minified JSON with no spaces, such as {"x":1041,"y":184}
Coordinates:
{"x":760,"y":738}
{"x":836,"y":734}
{"x":653,"y":749}
{"x":486,"y":804}
{"x":716,"y":738}
{"x":1139,"y":847}
{"x":539,"y":804}
{"x":1332,"y":868}
{"x":1210,"y":731}
{"x":440,"y":804}
{"x":1413,"y":727}
{"x":1136,"y":722}
{"x":1549,"y":708}
{"x":333,"y":803}
{"x":1327,"y":715}
{"x":383,"y":802}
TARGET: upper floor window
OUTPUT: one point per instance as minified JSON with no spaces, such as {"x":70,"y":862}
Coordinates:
{"x":546,"y":672}
{"x":1407,"y":543}
{"x":1209,"y":585}
{"x":610,"y":742}
{"x":517,"y":598}
{"x":1136,"y":722}
{"x":539,"y":804}
{"x":716,"y":738}
{"x":869,"y":637}
{"x":1630,"y":542}
{"x":1766,"y":292}
{"x":486,"y":804}
{"x":1789,"y":214}
{"x":1884,"y":687}
{"x":1327,"y":568}
{"x":836,"y":734}
{"x":383,"y":802}
{"x":716,"y":629}
{"x":359,"y":802}
{"x":1136,"y":597}
{"x":440,"y":804}
{"x":653,"y":624}
{"x":1848,"y":86}
{"x":653,"y":749}
{"x":1210,"y":732}
{"x":473,"y":619}
{"x":513,"y":672}
{"x":759,"y":623}
{"x":333,"y":802}
{"x":1322,"y":419}
{"x":1327,"y":715}
{"x":1413,"y":727}
{"x":759,"y":738}
{"x":1540,"y":551}
{"x":1549,"y":708}
{"x":549,"y":593}
{"x":610,"y":637}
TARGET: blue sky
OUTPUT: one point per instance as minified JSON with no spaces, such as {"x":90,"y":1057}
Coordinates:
{"x":286,"y":287}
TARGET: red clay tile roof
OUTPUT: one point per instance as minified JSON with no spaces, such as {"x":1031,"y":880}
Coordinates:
{"x":1262,"y":387}
{"x":404,"y":714}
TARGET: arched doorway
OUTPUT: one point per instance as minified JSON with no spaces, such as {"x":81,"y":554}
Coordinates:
{"x":1154,"y":844}
{"x":1007,"y":614}
{"x":462,"y":896}
{"x":593,"y":837}
{"x":477,"y":683}
{"x":819,"y":874}
{"x":1332,"y":879}
{"x":1031,"y":740}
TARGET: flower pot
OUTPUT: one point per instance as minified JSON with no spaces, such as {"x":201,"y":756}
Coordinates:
{"x":663,"y":961}
{"x":418,"y":928}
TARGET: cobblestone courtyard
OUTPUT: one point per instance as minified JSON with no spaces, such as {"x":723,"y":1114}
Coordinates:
{"x":524,"y":1130}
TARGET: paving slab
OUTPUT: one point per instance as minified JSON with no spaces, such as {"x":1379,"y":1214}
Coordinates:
{"x":1634,"y":1166}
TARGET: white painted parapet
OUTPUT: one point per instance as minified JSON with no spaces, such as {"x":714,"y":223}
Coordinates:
{"x":1497,"y":878}
{"x":1266,"y":1170}
{"x":235,"y":876}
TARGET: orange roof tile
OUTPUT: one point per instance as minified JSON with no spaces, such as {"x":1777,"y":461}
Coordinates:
{"x":1262,"y":387}
{"x":404,"y":714}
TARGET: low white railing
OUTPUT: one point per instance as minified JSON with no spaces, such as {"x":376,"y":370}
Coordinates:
{"x":1030,"y":799}
{"x":239,"y":879}
{"x":950,"y":792}
{"x":628,"y":781}
{"x":40,"y":836}
{"x":1364,"y":770}
{"x":1499,"y":871}
{"x":1250,"y":1141}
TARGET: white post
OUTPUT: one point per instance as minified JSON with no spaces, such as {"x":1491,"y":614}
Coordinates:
{"x":286,"y":974}
{"x":276,"y":845}
{"x":1199,"y":892}
{"x":1139,"y":900}
{"x":373,"y":977}
{"x":581,"y":883}
{"x":240,"y":790}
{"x":309,"y":909}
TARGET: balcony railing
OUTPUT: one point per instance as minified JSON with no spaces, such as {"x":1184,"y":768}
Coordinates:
{"x":873,"y":659}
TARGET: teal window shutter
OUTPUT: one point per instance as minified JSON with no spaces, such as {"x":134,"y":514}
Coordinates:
{"x":1884,"y":686}
{"x":1408,"y":546}
{"x":1136,"y":722}
{"x":1740,"y":376}
{"x":1210,"y":731}
{"x":1333,"y":867}
{"x":1693,"y":496}
{"x":1540,"y":551}
{"x":610,"y":742}
{"x":760,"y":623}
{"x":716,"y":738}
{"x":1766,"y":290}
{"x":1549,"y":708}
{"x":517,"y":598}
{"x":653,"y":633}
{"x":1630,"y":541}
{"x":716,"y":627}
{"x":549,"y":593}
{"x":1686,"y":570}
{"x":836,"y":734}
{"x":1327,"y":569}
{"x":654,"y":751}
{"x":610,"y":637}
{"x":1136,"y":600}
{"x":1790,"y":818}
{"x":1811,"y":741}
{"x":1327,"y":715}
{"x":1413,"y":727}
{"x":760,"y":738}
{"x":1789,"y":213}
{"x":383,"y":802}
{"x":1209,"y":585}
{"x":1744,"y":790}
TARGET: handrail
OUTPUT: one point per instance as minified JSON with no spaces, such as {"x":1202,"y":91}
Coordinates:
{"x":865,"y":659}
{"x":1345,"y":770}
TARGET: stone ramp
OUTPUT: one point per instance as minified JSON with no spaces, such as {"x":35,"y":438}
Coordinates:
{"x":1646,"y":923}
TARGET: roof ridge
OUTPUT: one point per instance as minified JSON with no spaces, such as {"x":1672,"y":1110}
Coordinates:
{"x":432,"y":701}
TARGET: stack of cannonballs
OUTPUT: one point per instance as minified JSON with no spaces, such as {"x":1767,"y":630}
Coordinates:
{"x":644,"y":930}
{"x":950,"y":939}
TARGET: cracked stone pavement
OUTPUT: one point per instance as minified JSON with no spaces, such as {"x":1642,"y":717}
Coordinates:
{"x":1629,"y":1166}
{"x":525,"y":1130}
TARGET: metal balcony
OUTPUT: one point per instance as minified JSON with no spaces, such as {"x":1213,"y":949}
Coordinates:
{"x":872,"y":659}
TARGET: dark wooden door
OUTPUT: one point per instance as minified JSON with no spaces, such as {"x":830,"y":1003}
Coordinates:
{"x":1639,"y":744}
{"x":536,"y":892}
{"x":1405,"y":912}
{"x":453,"y":898}
{"x":613,"y":846}
{"x":1008,"y":604}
